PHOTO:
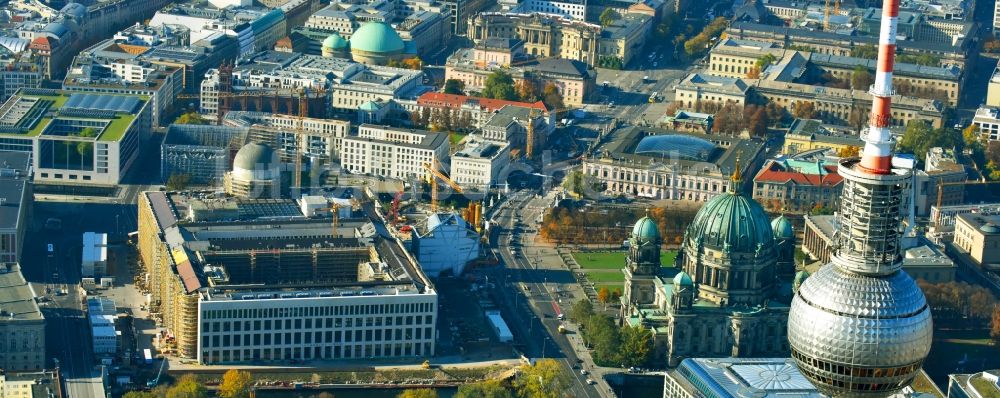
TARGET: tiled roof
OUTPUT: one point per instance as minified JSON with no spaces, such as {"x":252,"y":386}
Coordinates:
{"x":776,"y":172}
{"x":456,"y":101}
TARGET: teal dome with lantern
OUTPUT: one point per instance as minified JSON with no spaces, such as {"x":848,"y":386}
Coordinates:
{"x":376,"y":43}
{"x":732,"y":222}
{"x":646,"y":229}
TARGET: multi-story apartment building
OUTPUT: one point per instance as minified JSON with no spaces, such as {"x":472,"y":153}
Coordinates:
{"x":256,"y":29}
{"x":809,"y":134}
{"x":22,"y":326}
{"x":797,"y":186}
{"x":18,"y":200}
{"x":477,"y":110}
{"x":987,"y":120}
{"x":511,"y":125}
{"x":942,"y":172}
{"x":661,"y":164}
{"x":392,"y":152}
{"x":324,"y":296}
{"x":461,"y":11}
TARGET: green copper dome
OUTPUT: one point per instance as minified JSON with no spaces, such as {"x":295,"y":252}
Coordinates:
{"x":376,"y":37}
{"x":782,"y":228}
{"x":335,"y":41}
{"x":683,"y":279}
{"x":733,"y":222}
{"x":646,"y":229}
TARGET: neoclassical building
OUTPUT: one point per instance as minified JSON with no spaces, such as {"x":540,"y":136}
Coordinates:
{"x":728,"y":293}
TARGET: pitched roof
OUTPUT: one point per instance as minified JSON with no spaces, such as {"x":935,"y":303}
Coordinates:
{"x":781,"y":172}
{"x":456,"y":101}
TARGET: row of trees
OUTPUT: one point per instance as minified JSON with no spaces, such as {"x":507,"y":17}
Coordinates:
{"x":234,"y":384}
{"x":409,"y":63}
{"x":443,"y":119}
{"x":500,"y":85}
{"x":870,"y":51}
{"x":698,"y":44}
{"x":545,"y":379}
{"x":612,"y":345}
{"x":575,"y":225}
{"x":958,"y":302}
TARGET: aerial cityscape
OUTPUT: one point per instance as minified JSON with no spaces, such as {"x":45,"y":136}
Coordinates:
{"x":499,"y":199}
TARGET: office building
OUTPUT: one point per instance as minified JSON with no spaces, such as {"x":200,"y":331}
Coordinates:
{"x":987,"y":121}
{"x":76,"y":138}
{"x":697,"y":89}
{"x":575,"y":80}
{"x":18,"y":201}
{"x":940,"y":183}
{"x":662,"y":164}
{"x":22,"y":326}
{"x":480,"y":165}
{"x":978,"y":237}
{"x":476,"y":110}
{"x":511,"y":124}
{"x":392,"y":152}
{"x":353,"y":293}
{"x":574,"y":10}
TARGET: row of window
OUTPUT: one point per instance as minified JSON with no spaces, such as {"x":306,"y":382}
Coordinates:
{"x":308,"y":323}
{"x":328,"y":337}
{"x":330,"y":310}
{"x":327,"y":352}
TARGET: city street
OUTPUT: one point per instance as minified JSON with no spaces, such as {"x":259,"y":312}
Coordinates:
{"x":535,"y":290}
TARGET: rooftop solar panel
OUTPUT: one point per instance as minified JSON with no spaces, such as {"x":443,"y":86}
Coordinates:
{"x":114,"y":103}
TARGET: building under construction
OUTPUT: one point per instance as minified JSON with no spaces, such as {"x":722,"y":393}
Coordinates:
{"x":238,"y":280}
{"x":204,"y":153}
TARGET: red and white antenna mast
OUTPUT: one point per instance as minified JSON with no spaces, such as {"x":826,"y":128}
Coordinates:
{"x":877,"y":155}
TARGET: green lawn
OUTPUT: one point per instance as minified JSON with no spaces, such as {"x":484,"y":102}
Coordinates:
{"x":116,"y":129}
{"x":952,"y":347}
{"x":455,"y":138}
{"x":615,"y":260}
{"x":597,"y":276}
{"x":610,"y":286}
{"x":39,"y":127}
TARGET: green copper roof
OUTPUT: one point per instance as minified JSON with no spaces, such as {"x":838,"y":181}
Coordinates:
{"x":731,"y":221}
{"x":782,"y":228}
{"x":335,"y":41}
{"x":683,"y":279}
{"x":646,"y":229}
{"x":376,"y":37}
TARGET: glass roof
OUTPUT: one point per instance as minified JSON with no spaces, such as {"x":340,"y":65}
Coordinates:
{"x":114,"y":103}
{"x":682,"y":146}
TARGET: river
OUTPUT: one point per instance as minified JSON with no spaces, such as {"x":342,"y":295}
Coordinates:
{"x":347,"y":393}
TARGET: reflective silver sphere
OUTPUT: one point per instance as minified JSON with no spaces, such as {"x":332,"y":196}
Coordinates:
{"x":854,"y":335}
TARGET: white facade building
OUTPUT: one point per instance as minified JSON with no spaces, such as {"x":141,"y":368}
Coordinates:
{"x":575,"y":10}
{"x":392,"y":152}
{"x":320,"y":138}
{"x":480,"y":163}
{"x":447,"y":244}
{"x":94,"y":261}
{"x":988,"y":121}
{"x":376,"y":322}
{"x":101,"y":314}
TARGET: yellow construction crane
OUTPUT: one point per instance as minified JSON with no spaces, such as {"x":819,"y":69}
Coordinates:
{"x":299,"y":130}
{"x":836,"y":7}
{"x":529,"y":145}
{"x":436,"y":175}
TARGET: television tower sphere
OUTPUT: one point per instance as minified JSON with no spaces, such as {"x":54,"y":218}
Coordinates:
{"x":860,"y":326}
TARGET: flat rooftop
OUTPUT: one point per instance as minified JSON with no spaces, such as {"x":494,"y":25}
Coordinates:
{"x":17,"y":299}
{"x":31,"y":112}
{"x":14,"y":177}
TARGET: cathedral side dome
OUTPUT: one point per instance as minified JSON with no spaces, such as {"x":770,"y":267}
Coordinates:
{"x":683,"y":279}
{"x":646,"y":229}
{"x":335,"y":41}
{"x":782,"y":228}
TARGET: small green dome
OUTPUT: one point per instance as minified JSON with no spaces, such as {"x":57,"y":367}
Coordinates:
{"x":683,"y":279}
{"x":800,"y":278}
{"x":782,"y":228}
{"x":376,"y":37}
{"x":335,"y":41}
{"x":731,"y":221}
{"x":646,"y":229}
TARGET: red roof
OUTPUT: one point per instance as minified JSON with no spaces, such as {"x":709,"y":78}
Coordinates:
{"x":775,"y":172}
{"x":456,"y":101}
{"x":41,"y":43}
